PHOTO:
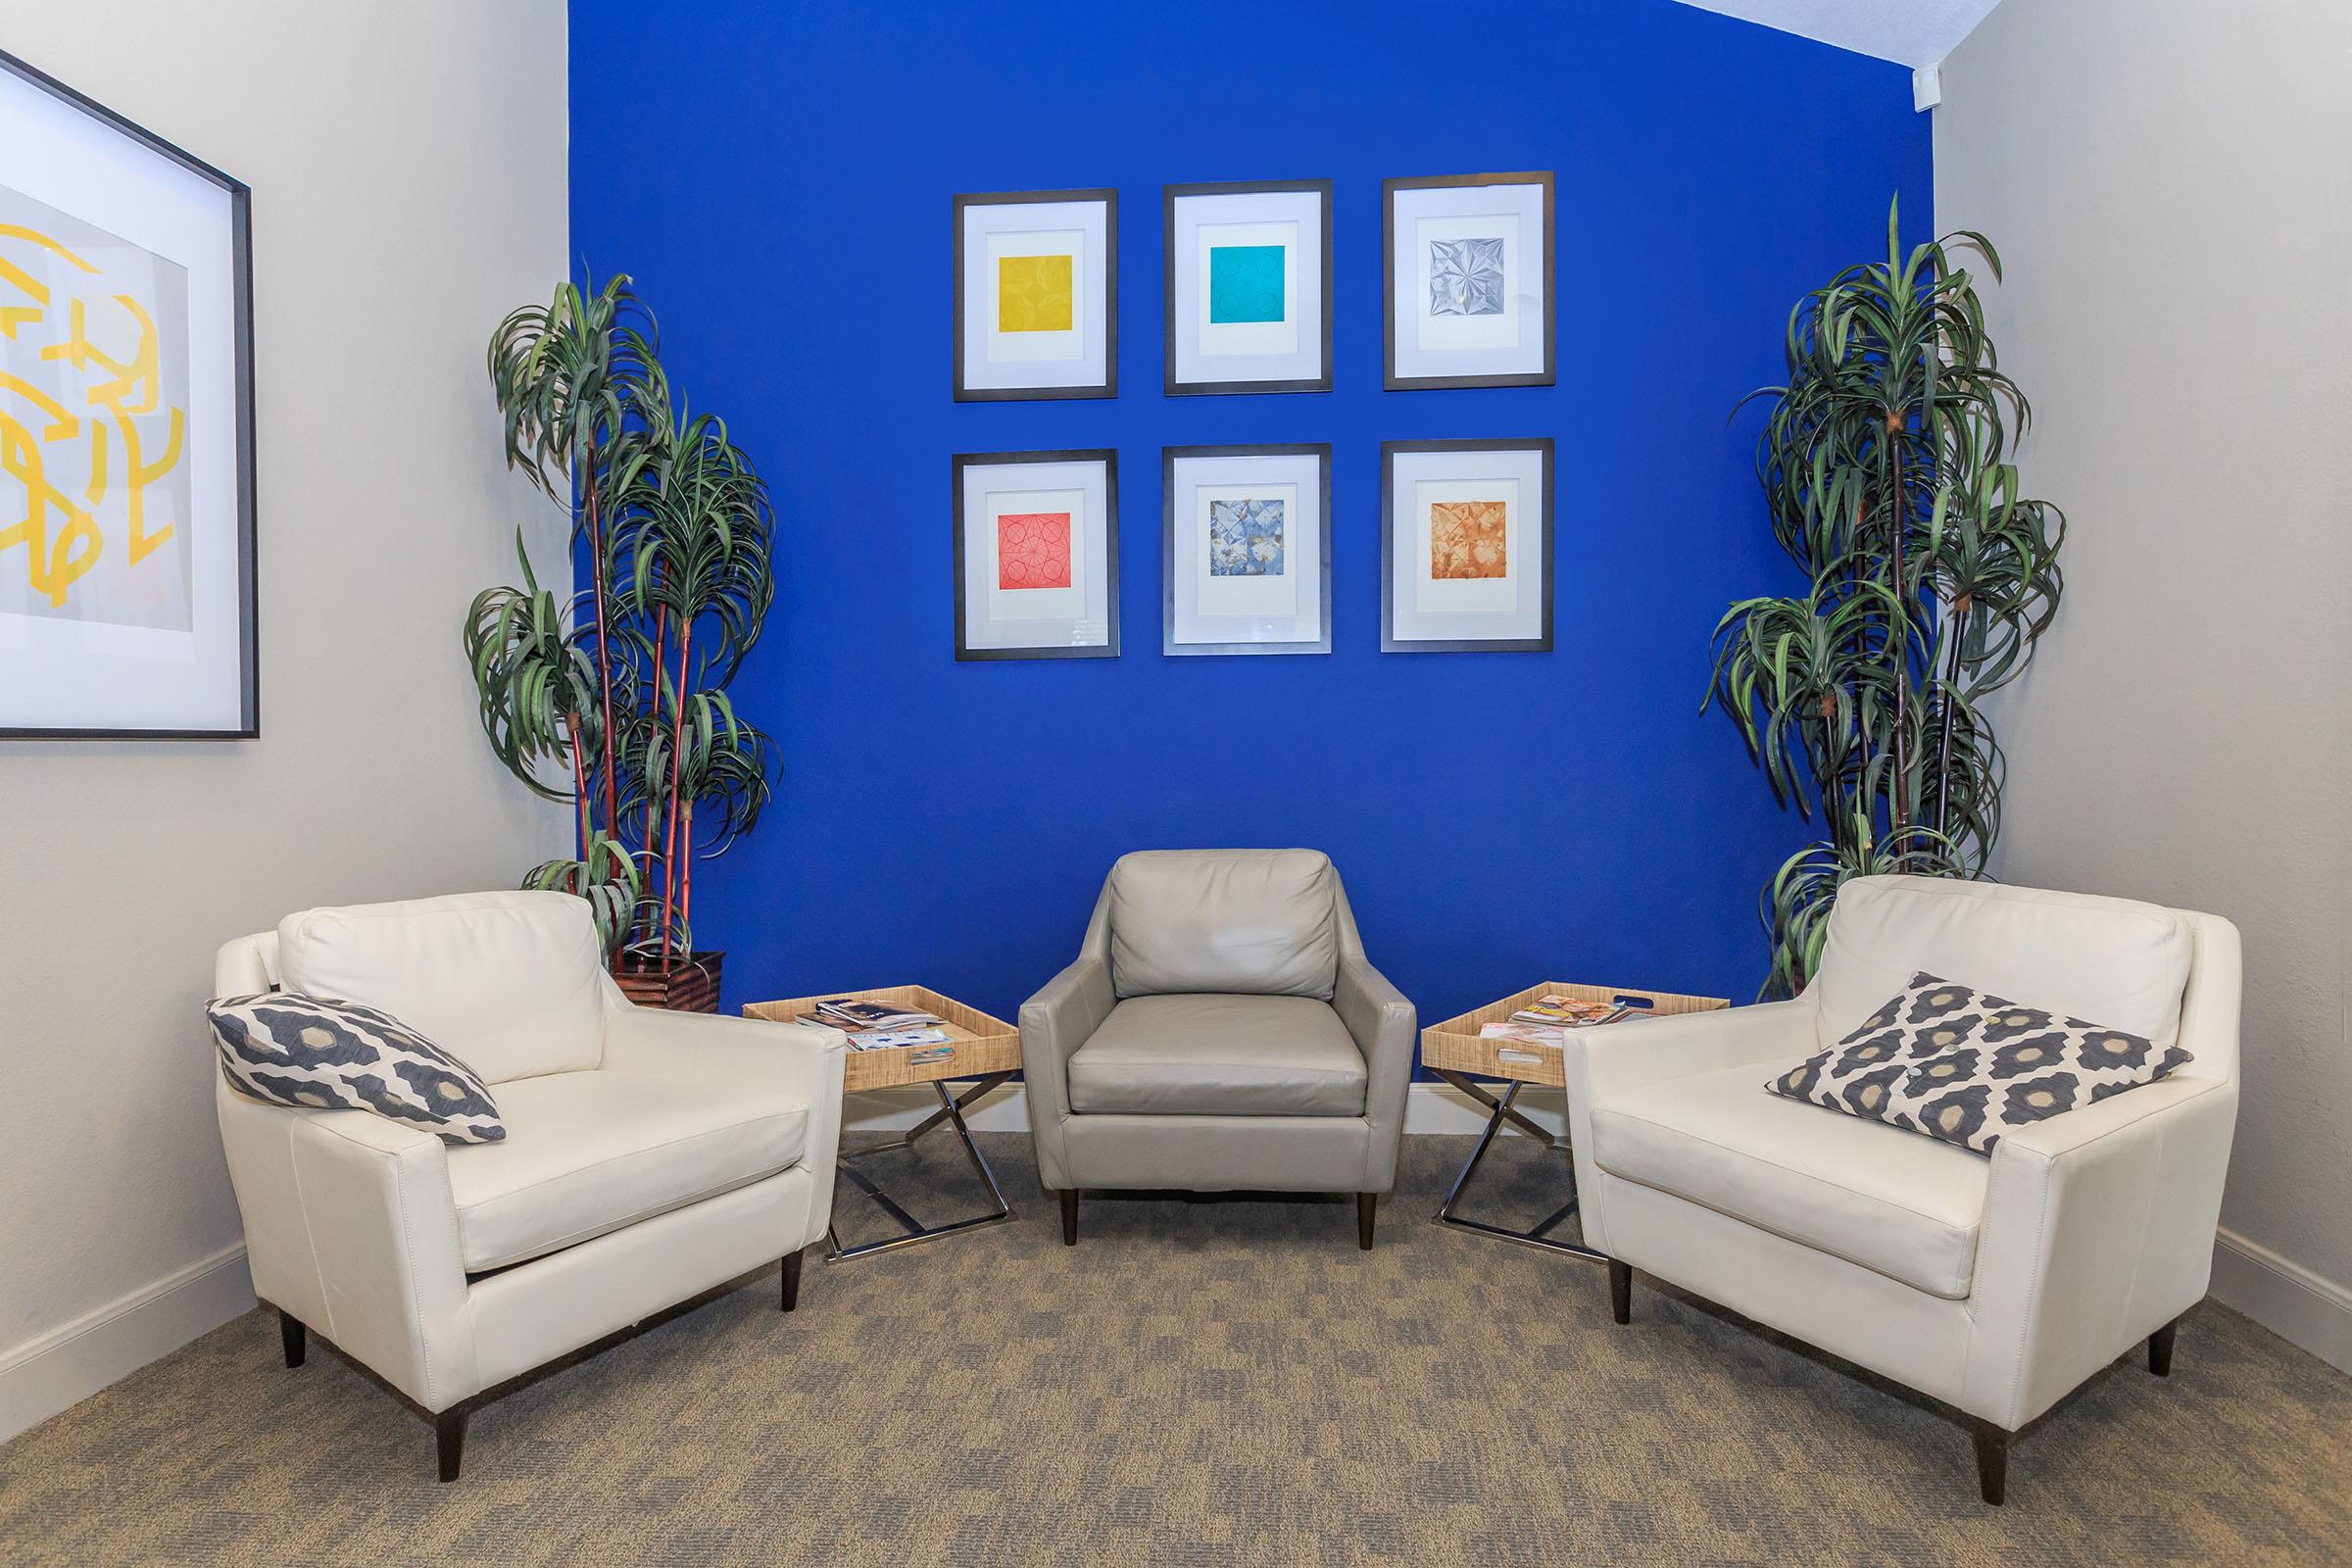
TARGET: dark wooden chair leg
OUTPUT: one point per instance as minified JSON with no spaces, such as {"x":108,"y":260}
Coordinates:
{"x":1992,"y":1461}
{"x":791,"y":1281}
{"x":1069,"y":1216}
{"x":449,"y":1437}
{"x":2160,"y":1349}
{"x":1621,"y":1291}
{"x":1366,"y":1205}
{"x":296,"y":1338}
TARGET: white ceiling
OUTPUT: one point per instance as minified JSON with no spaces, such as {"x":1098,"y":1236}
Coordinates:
{"x":1916,"y":33}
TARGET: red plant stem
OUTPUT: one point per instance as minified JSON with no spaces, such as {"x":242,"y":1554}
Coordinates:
{"x":686,"y":872}
{"x":1899,"y":504}
{"x":579,"y":783}
{"x":604,"y":651}
{"x":677,"y":732}
{"x":661,"y":655}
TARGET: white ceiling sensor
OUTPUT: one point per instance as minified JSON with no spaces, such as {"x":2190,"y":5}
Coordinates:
{"x":1913,"y":33}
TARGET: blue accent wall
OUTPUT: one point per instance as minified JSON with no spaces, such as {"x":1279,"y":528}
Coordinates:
{"x":777,"y":179}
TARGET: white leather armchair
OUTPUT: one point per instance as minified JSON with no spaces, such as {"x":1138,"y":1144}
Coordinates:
{"x":649,"y":1157}
{"x":1995,"y":1285}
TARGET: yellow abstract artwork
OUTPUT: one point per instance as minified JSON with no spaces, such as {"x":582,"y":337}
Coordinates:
{"x":1466,"y":539}
{"x":1033,"y":294}
{"x":94,"y":484}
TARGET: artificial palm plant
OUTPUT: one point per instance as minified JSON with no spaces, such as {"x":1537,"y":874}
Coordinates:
{"x":1886,"y":473}
{"x":612,"y":697}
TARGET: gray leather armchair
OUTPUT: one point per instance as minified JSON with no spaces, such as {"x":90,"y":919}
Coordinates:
{"x":1221,"y":1031}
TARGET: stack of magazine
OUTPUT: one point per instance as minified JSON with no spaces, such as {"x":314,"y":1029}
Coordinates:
{"x":876,"y":1025}
{"x":1546,"y":1020}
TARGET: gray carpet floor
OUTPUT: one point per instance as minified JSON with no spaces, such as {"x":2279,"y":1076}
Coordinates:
{"x":1196,"y":1385}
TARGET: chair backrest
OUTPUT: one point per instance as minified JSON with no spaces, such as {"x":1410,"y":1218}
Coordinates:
{"x":512,"y":984}
{"x":2115,"y":962}
{"x":1261,"y":922}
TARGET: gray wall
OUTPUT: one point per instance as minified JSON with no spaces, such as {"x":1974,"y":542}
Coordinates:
{"x":2170,"y":183}
{"x":409,"y":173}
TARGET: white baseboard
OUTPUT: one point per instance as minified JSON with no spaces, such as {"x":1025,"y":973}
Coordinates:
{"x":74,"y":1360}
{"x":2301,"y":1307}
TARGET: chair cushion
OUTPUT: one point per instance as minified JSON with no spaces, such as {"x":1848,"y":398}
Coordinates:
{"x":312,"y":1052}
{"x":2122,"y":962}
{"x":1887,"y":1200}
{"x":511,"y":983}
{"x":587,"y":1152}
{"x":1192,"y":1055}
{"x":1261,"y":922}
{"x":1965,"y":1065}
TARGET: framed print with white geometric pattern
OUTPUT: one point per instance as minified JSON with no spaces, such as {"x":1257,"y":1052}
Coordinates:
{"x":1245,"y":549}
{"x":1037,"y":555}
{"x":1247,"y":304}
{"x":1036,"y":303}
{"x":127,"y":534}
{"x":1466,"y":546}
{"x":1469,"y":298}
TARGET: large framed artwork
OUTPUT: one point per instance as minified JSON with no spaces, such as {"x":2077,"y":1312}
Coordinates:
{"x":1469,"y":280}
{"x":1245,"y":549}
{"x":126,"y":570}
{"x":1466,"y":546}
{"x":1037,"y":287}
{"x":1037,"y":555}
{"x":1249,"y":287}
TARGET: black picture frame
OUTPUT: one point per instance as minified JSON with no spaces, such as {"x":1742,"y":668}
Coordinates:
{"x":1389,"y":379}
{"x":1110,"y":295}
{"x":240,"y":198}
{"x":1389,"y":643}
{"x":1168,"y":456}
{"x":1169,"y":195}
{"x":1108,"y":457}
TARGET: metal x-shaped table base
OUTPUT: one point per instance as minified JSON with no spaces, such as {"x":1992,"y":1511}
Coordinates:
{"x":1540,"y":1237}
{"x":914,"y":1231}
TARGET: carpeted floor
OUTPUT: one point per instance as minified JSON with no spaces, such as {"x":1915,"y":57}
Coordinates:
{"x":1195,"y":1385}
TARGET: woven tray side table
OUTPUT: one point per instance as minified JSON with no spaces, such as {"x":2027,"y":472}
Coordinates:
{"x":984,"y":1049}
{"x":1455,"y":1051}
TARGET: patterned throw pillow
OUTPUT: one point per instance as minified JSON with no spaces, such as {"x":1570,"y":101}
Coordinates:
{"x":1965,"y":1065}
{"x":312,"y":1052}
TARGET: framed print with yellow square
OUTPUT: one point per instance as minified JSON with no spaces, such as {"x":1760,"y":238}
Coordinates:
{"x":1469,"y":299}
{"x":1249,"y":287}
{"x":1466,"y":546}
{"x":1037,"y":283}
{"x":1037,"y":555}
{"x":127,"y":572}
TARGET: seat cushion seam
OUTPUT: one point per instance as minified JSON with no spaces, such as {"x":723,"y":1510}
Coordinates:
{"x":1822,"y":1181}
{"x":613,"y":1160}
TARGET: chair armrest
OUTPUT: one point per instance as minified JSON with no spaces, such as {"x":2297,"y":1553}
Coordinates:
{"x":804,"y":1064}
{"x":382,"y":1231}
{"x":1062,"y":1016}
{"x":1599,"y":1062}
{"x":1380,"y":1020}
{"x":2097,"y":1230}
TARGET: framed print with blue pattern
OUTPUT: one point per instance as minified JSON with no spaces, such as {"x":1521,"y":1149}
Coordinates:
{"x":1249,"y":286}
{"x":1469,"y":300}
{"x":1245,"y":549}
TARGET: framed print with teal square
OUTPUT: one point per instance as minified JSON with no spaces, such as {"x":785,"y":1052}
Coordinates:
{"x":1249,"y":287}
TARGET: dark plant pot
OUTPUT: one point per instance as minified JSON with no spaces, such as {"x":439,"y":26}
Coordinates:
{"x":690,"y":986}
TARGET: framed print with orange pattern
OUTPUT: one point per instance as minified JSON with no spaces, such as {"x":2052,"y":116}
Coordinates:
{"x":1037,"y":555}
{"x":1466,"y":546}
{"x":1037,"y":286}
{"x":127,"y":553}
